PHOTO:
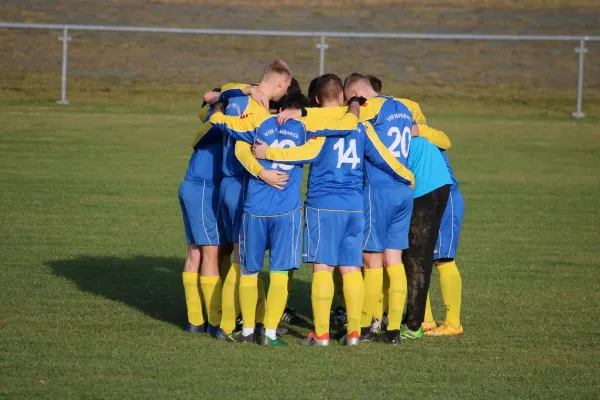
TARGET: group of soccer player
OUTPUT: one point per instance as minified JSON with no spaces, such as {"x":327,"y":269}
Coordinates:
{"x":381,"y":195}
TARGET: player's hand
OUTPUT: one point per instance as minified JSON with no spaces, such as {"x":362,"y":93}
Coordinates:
{"x":259,"y":96}
{"x":412,"y":186}
{"x":415,"y":130}
{"x":259,"y":149}
{"x":211,"y":97}
{"x":286,"y":115}
{"x":354,"y":108}
{"x":277,"y":179}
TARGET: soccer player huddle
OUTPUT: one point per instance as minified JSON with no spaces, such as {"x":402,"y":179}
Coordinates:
{"x":382,"y":207}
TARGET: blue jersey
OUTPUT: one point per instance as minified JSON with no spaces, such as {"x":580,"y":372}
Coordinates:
{"x":427,"y":164}
{"x":335,"y":180}
{"x":262,"y":199}
{"x":206,"y":159}
{"x":237,"y":106}
{"x":452,"y":176}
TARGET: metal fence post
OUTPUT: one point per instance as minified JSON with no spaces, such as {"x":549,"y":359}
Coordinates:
{"x":581,"y":50}
{"x":65,"y":48}
{"x":322,"y":47}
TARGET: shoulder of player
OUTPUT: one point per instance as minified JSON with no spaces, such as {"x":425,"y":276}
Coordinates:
{"x":411,"y":105}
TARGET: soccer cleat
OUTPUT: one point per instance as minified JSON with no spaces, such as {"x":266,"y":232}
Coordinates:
{"x":313,"y":340}
{"x":445,"y":330}
{"x":406,"y":333}
{"x":290,"y":316}
{"x":212,"y":330}
{"x":219,"y":334}
{"x":339,"y":318}
{"x":351,"y":339}
{"x":427,"y":326}
{"x":366,"y":335}
{"x":277,"y":342}
{"x":377,"y":326}
{"x":237,"y":337}
{"x":239,"y":324}
{"x":391,"y":337}
{"x":282,"y":330}
{"x":191,"y":328}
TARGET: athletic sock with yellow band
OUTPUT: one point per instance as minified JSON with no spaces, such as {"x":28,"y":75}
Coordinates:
{"x":276,"y":299}
{"x":248,"y":299}
{"x":212,"y":291}
{"x":373,"y":283}
{"x":230,"y":299}
{"x":261,"y":303}
{"x":354,"y":291}
{"x":193,"y":301}
{"x":451,"y":285}
{"x":321,"y":297}
{"x":396,"y":295}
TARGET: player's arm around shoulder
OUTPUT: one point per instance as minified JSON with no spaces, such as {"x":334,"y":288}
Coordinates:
{"x":322,"y":126}
{"x":381,"y":156}
{"x":415,"y":109}
{"x":293,"y":155}
{"x":434,"y":136}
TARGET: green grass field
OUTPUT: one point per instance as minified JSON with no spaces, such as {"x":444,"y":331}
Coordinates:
{"x":92,"y":249}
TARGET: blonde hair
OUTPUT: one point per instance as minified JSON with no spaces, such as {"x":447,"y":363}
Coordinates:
{"x":278,"y":67}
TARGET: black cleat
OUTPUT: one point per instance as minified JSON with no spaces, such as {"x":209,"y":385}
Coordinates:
{"x":290,"y":316}
{"x":191,"y":328}
{"x":237,"y":337}
{"x":391,"y":337}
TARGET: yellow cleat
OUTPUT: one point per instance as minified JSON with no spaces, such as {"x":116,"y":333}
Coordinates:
{"x":445,"y":330}
{"x":427,"y":326}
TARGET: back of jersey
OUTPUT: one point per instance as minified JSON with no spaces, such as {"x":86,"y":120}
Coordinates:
{"x":427,"y":164}
{"x":336,"y":175}
{"x":231,"y":166}
{"x":393,"y":125}
{"x":262,"y":199}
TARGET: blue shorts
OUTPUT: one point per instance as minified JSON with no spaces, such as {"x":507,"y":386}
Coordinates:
{"x":278,"y":234}
{"x":333,"y":237}
{"x":447,"y":242}
{"x":232,"y":206}
{"x":387,"y":217}
{"x":200,"y":208}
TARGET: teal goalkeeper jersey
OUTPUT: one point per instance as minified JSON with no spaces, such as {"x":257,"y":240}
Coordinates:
{"x":428,"y":166}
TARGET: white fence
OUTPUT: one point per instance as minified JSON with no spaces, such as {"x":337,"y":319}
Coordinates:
{"x":321,"y":46}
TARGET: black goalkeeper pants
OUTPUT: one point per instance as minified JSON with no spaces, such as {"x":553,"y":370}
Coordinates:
{"x":418,"y":259}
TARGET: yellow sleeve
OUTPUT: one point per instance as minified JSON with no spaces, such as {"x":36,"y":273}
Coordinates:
{"x":435,"y":137}
{"x":340,"y":126}
{"x":201,"y":132}
{"x":204,"y":112}
{"x":230,"y":86}
{"x":238,"y":126}
{"x":302,"y":154}
{"x":243,"y":152}
{"x":368,"y":111}
{"x":415,"y":109}
{"x":387,"y":156}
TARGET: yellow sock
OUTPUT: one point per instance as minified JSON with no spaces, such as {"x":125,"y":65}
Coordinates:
{"x":248,"y":299}
{"x":397,"y":295}
{"x":193,"y":301}
{"x":278,"y":294}
{"x":451,"y":285}
{"x":373,"y":289}
{"x":261,"y":304}
{"x":428,"y":312}
{"x":230,"y":299}
{"x":212,"y":290}
{"x":339,"y":288}
{"x":354,"y":293}
{"x":382,"y":304}
{"x":321,"y":297}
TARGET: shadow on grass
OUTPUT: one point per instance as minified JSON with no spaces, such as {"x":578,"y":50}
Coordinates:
{"x":149,"y":284}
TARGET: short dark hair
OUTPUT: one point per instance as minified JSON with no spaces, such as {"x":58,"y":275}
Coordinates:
{"x":294,"y":86}
{"x":294,"y":101}
{"x":329,"y":87}
{"x":376,"y":83}
{"x":355,"y":77}
{"x":312,"y":92}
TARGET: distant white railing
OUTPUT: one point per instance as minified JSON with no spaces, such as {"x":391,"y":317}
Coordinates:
{"x":322,"y":45}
